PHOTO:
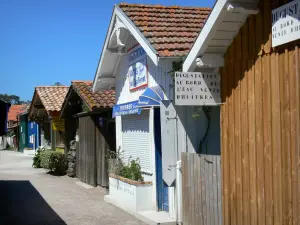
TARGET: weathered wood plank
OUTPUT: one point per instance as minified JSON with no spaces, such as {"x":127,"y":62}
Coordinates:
{"x":225,"y":149}
{"x":233,"y":206}
{"x":252,"y":141}
{"x":245,"y":126}
{"x":261,"y":97}
{"x":184,"y":184}
{"x":294,"y":137}
{"x":237,"y":128}
{"x":286,"y":158}
{"x":297,"y":78}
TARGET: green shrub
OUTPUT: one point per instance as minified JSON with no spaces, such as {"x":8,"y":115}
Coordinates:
{"x":37,"y":159}
{"x":131,"y":171}
{"x":53,"y":161}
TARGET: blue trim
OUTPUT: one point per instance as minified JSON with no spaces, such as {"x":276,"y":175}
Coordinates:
{"x":126,"y":109}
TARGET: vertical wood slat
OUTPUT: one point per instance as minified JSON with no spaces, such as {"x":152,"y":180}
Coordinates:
{"x":294,"y":137}
{"x":266,"y":156}
{"x":244,"y":127}
{"x":276,"y":140}
{"x":269,"y":126}
{"x":260,"y":98}
{"x":199,"y":185}
{"x":237,"y":126}
{"x":297,"y":155}
{"x":231,"y":132}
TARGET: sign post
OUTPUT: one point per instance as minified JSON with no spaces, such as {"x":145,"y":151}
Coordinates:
{"x":197,"y":88}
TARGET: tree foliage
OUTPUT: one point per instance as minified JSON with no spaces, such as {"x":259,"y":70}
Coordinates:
{"x":13,"y":99}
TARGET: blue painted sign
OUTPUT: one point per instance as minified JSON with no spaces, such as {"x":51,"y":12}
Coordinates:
{"x":137,"y":71}
{"x":126,"y":109}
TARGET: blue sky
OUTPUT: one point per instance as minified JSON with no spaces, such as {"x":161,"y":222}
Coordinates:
{"x":43,"y":42}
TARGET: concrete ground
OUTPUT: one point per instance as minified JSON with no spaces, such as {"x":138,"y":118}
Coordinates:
{"x":30,"y":196}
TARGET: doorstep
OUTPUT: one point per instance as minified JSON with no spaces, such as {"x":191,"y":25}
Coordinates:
{"x":148,"y":217}
{"x":156,"y":218}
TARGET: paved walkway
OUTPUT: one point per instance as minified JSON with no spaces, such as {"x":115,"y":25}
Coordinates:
{"x":30,"y":196}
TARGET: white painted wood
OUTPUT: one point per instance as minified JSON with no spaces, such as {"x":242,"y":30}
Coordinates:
{"x":224,"y":34}
{"x":210,"y":60}
{"x":151,"y":52}
{"x":235,"y":17}
{"x":220,"y":42}
{"x":207,"y":33}
{"x":249,"y":8}
{"x":230,"y":25}
{"x":108,"y":60}
{"x":216,"y":49}
{"x":136,"y":140}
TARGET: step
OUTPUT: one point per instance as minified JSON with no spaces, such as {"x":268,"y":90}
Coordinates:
{"x":155,"y":218}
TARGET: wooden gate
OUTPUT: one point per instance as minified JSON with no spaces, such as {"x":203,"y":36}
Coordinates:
{"x":94,"y":142}
{"x":201,"y":189}
{"x":86,"y":157}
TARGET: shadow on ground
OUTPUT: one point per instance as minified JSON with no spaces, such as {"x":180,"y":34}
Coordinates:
{"x":21,"y":203}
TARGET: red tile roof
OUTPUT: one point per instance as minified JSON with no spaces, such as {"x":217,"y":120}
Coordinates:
{"x":99,"y":99}
{"x":14,"y":111}
{"x":52,"y":97}
{"x":171,"y":30}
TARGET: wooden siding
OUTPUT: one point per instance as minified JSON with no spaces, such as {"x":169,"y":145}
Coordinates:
{"x":94,"y":143}
{"x":201,"y":189}
{"x":260,"y":123}
{"x":86,"y":167}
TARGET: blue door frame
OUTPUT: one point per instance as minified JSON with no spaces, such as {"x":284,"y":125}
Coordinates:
{"x":161,"y":187}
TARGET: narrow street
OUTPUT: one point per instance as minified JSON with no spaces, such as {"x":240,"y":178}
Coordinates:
{"x":31,"y":196}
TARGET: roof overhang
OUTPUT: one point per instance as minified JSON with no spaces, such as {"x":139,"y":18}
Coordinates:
{"x":119,"y":29}
{"x":221,"y":27}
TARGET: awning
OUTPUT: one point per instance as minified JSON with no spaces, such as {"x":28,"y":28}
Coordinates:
{"x":152,"y":96}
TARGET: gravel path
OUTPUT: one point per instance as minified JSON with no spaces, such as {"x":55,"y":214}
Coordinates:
{"x":30,"y":196}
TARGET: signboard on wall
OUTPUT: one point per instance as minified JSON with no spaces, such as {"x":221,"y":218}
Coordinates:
{"x":196,"y":88}
{"x":286,"y":23}
{"x":137,"y":71}
{"x":58,"y":124}
{"x":126,"y":109}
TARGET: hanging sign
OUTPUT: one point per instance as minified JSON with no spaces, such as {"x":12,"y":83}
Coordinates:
{"x":58,"y":124}
{"x":286,"y":23}
{"x":195,"y":88}
{"x":126,"y":109}
{"x":137,"y":71}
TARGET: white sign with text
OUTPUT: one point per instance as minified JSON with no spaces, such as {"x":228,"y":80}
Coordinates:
{"x":196,"y":88}
{"x":286,"y":23}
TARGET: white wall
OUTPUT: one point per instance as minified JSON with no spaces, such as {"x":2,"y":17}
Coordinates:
{"x":157,"y":75}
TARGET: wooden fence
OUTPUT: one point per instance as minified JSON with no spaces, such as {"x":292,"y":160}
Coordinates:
{"x":260,"y":123}
{"x":201,"y":189}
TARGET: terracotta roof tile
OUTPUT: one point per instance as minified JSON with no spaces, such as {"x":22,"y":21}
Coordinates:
{"x":171,"y":30}
{"x":100,"y":99}
{"x":14,"y":111}
{"x":52,"y":97}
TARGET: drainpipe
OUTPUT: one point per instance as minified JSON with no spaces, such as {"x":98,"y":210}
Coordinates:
{"x":179,"y":192}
